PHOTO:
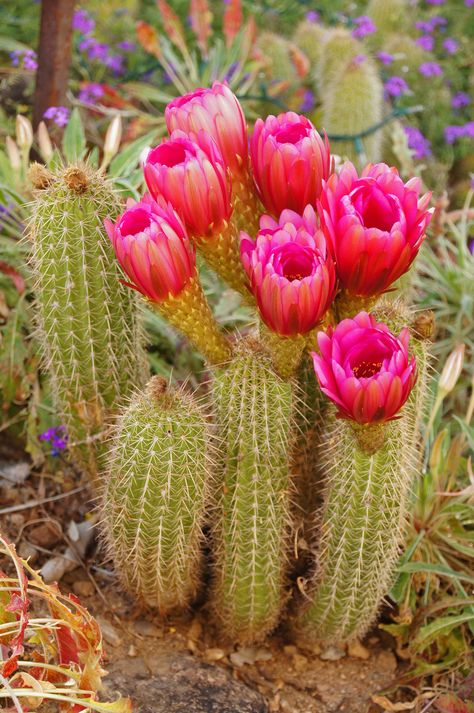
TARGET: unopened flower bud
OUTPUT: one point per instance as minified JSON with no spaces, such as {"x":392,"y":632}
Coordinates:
{"x":13,"y":153}
{"x":24,"y":133}
{"x":452,"y":369}
{"x":44,"y":142}
{"x":112,"y":140}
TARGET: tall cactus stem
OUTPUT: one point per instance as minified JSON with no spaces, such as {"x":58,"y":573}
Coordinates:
{"x":253,"y":408}
{"x":286,"y":352}
{"x":189,"y":312}
{"x":247,"y":207}
{"x":153,"y":505}
{"x":222,"y":253}
{"x":89,"y":324}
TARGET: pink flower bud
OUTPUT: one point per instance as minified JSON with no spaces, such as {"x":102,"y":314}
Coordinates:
{"x":375,"y":225}
{"x":152,"y":247}
{"x":193,"y":178}
{"x":217,"y":111}
{"x":290,"y":270}
{"x":364,"y":369}
{"x":290,"y":160}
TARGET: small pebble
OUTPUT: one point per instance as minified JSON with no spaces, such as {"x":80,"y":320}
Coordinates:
{"x":45,"y":535}
{"x":132,"y":652}
{"x":83,"y":588}
{"x":332,"y":653}
{"x":17,"y":519}
{"x":28,"y":552}
{"x":214,"y":654}
{"x":356,"y":650}
{"x":146,"y":628}
{"x":109,"y":632}
{"x":290,"y":649}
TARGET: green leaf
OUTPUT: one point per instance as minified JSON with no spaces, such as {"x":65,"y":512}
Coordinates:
{"x":74,"y":140}
{"x":440,"y":626}
{"x":398,"y":591}
{"x":127,"y":159}
{"x":467,"y":430}
{"x":440,"y":569}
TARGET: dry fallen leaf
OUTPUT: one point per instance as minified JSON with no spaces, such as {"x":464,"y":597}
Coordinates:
{"x":387,"y":705}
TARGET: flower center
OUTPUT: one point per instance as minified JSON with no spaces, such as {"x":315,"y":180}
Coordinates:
{"x":366,"y":369}
{"x":291,"y":133}
{"x":135,"y":221}
{"x":168,"y":154}
{"x":294,"y":261}
{"x":376,"y":208}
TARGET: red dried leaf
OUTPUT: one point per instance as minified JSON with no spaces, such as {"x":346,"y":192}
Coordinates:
{"x":10,"y":666}
{"x":450,"y":703}
{"x":300,"y":61}
{"x":17,"y":279}
{"x":232,"y":22}
{"x":201,"y":22}
{"x":148,"y":38}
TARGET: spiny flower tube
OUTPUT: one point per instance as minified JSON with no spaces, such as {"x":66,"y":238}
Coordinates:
{"x":217,"y":111}
{"x":152,"y":246}
{"x":290,"y":160}
{"x":192,"y":176}
{"x":292,"y":276}
{"x":364,"y":369}
{"x":375,"y":225}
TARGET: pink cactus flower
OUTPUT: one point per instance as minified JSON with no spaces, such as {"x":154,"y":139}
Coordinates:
{"x":152,"y":246}
{"x":375,"y":225}
{"x":290,"y":271}
{"x":364,"y":369}
{"x":217,"y":111}
{"x":191,"y":175}
{"x":290,"y":160}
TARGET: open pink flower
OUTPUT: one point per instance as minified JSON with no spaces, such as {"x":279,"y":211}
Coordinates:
{"x":375,"y":225}
{"x":290,"y":160}
{"x":364,"y":369}
{"x":290,"y":271}
{"x":152,"y":247}
{"x":217,"y":111}
{"x":191,"y":175}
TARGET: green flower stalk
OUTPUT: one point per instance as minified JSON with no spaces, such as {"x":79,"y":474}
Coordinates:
{"x":156,"y":489}
{"x":254,"y":419}
{"x":88,"y":322}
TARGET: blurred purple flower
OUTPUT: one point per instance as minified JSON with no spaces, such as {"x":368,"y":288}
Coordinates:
{"x":430,"y":69}
{"x":435,"y":2}
{"x":438,"y":21}
{"x":468,"y":3}
{"x":470,"y":245}
{"x":231,"y":71}
{"x":57,"y":437}
{"x":58,"y":114}
{"x":126,"y":46}
{"x":308,"y":101}
{"x":418,"y":143}
{"x":364,"y":26}
{"x":450,"y":45}
{"x":460,"y":100}
{"x":115,"y":62}
{"x":455,"y":132}
{"x":424,"y":26}
{"x":385,"y":57}
{"x":24,"y":58}
{"x":90,"y":93}
{"x":395,"y":87}
{"x":312,"y":16}
{"x":426,"y":42}
{"x":82,"y":22}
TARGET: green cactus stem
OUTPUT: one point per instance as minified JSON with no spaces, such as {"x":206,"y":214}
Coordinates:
{"x":337,"y":50}
{"x":253,"y":408}
{"x":89,"y":324}
{"x":310,"y":38}
{"x":286,"y":352}
{"x":363,"y":518}
{"x":156,"y":490}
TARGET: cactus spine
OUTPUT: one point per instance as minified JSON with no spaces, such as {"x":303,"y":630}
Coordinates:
{"x":155,"y":495}
{"x":254,"y":417}
{"x":363,"y":518}
{"x":89,"y":323}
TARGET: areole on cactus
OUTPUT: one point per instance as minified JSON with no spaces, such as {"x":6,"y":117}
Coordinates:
{"x":333,"y":244}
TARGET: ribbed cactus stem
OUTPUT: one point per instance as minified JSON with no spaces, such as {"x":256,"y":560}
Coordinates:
{"x":247,"y":207}
{"x":253,"y":408}
{"x":363,"y":518}
{"x":88,"y":322}
{"x":310,"y":38}
{"x":222,"y":252}
{"x":153,"y":505}
{"x":347,"y":305}
{"x":337,"y":50}
{"x":286,"y":352}
{"x":190,"y":313}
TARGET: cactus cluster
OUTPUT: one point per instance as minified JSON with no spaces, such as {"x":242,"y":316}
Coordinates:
{"x":309,"y":424}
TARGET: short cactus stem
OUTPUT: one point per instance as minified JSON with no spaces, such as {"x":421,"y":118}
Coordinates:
{"x":253,"y":409}
{"x":369,"y":436}
{"x":247,"y":207}
{"x":362,"y":527}
{"x":156,"y":489}
{"x":286,"y":352}
{"x":189,"y":312}
{"x":222,"y":252}
{"x":89,"y":324}
{"x":347,"y":305}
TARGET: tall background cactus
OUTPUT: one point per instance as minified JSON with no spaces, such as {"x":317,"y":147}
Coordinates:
{"x":88,"y":322}
{"x":253,"y":409}
{"x":155,"y":493}
{"x":363,"y":519}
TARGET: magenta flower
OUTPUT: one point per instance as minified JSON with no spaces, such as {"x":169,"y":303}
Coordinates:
{"x":385,"y":57}
{"x":430,"y":69}
{"x":364,"y":26}
{"x":290,"y":160}
{"x":395,"y":87}
{"x":450,"y":45}
{"x":374,"y":224}
{"x":217,"y":111}
{"x":426,"y":42}
{"x":364,"y":369}
{"x":152,"y":246}
{"x":193,"y":178}
{"x":290,"y":270}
